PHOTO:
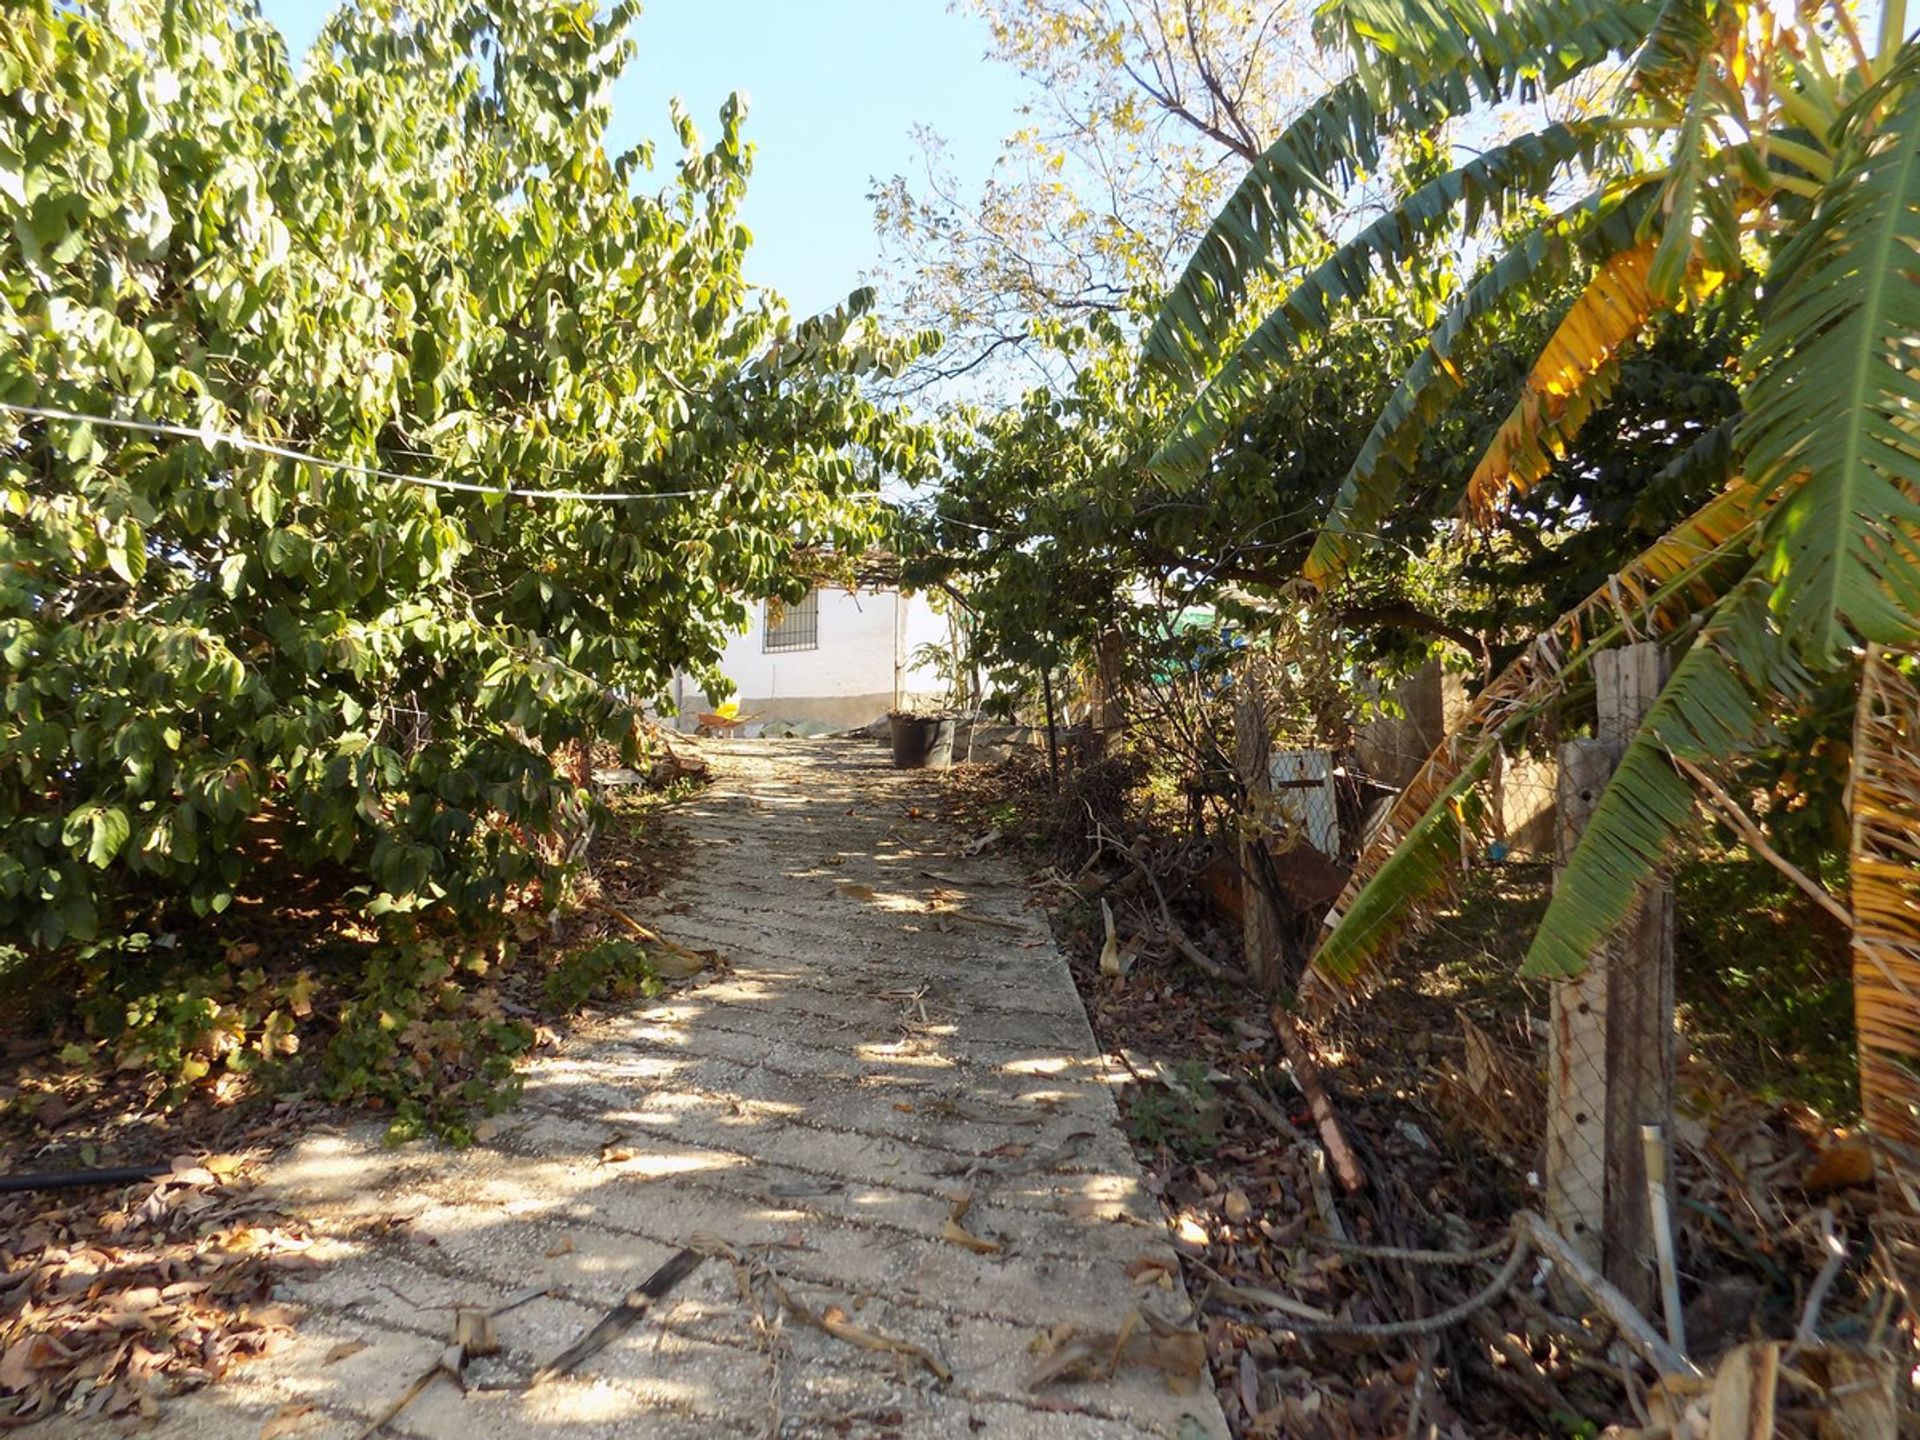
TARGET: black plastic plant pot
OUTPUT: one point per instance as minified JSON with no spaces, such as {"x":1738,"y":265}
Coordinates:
{"x":922,"y":742}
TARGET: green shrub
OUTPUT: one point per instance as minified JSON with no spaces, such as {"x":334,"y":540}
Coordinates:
{"x":613,"y":969}
{"x":414,"y":1039}
{"x":415,"y":254}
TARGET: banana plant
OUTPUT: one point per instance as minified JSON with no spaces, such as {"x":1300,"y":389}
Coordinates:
{"x":1740,"y":142}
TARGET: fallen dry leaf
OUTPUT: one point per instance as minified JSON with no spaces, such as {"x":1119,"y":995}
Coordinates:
{"x":1841,"y":1165}
{"x":1152,"y":1270}
{"x":615,"y":1150}
{"x":1144,"y":1341}
{"x":108,"y":1301}
{"x":22,"y":1362}
{"x":834,"y":1321}
{"x":676,"y":965}
{"x":343,"y":1350}
{"x":1113,"y":964}
{"x":954,"y":1233}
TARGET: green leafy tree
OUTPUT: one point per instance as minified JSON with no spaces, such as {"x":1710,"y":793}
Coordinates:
{"x":1740,"y":147}
{"x":414,"y":256}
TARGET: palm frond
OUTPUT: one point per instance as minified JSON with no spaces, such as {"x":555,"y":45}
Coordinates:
{"x":1885,"y":874}
{"x":1538,"y":260}
{"x":1718,"y":704}
{"x":1417,"y":65}
{"x":1316,"y":157}
{"x":1573,"y":376}
{"x":1696,"y":225}
{"x":1666,"y":62}
{"x":1414,"y":856}
{"x":1481,"y":52}
{"x":1831,"y":416}
{"x":1706,"y":461}
{"x":1524,"y":169}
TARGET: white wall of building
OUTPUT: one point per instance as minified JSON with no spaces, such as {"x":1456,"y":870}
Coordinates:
{"x":861,"y":668}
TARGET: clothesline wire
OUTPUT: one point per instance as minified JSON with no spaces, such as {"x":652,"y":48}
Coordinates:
{"x":209,"y":436}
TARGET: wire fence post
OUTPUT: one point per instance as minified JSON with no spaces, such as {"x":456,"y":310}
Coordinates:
{"x":1610,"y":1045}
{"x":1640,"y":1010}
{"x":1577,"y":1039}
{"x":1253,"y":759}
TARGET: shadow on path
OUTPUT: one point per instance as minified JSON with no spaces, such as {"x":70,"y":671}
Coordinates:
{"x":818,"y":1106}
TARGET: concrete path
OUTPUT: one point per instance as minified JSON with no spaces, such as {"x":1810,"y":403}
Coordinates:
{"x":816,"y":1108}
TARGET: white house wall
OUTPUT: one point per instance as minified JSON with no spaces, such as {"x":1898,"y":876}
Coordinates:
{"x":861,"y":669}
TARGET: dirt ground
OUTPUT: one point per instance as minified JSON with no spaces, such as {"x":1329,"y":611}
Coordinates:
{"x":1435,"y":1080}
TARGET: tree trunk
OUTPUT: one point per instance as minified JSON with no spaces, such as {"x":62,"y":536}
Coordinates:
{"x":1108,"y":712}
{"x":1053,"y":730}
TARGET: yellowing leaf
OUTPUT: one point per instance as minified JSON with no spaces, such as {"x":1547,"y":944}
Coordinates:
{"x":1886,"y":904}
{"x":1413,"y":855}
{"x":1573,"y":376}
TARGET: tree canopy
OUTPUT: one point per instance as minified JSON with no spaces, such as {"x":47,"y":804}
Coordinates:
{"x":414,"y":259}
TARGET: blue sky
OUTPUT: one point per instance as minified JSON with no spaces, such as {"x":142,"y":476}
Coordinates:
{"x":835,"y":86}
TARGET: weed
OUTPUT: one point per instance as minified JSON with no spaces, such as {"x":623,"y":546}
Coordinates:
{"x":1183,"y":1115}
{"x":612,"y":969}
{"x":414,"y":1039}
{"x":183,"y":1017}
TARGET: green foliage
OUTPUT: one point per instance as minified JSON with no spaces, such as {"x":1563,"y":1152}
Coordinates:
{"x":1777,"y":179}
{"x":426,"y":1027}
{"x":1184,"y":1115}
{"x":614,"y":968}
{"x":417,"y":255}
{"x":1834,"y":393}
{"x":1415,"y":67}
{"x":1762,"y":981}
{"x":1519,"y":278}
{"x":413,"y":1039}
{"x":1718,"y":702}
{"x":1444,"y":807}
{"x":1829,"y":429}
{"x":183,"y":1018}
{"x":1054,"y":531}
{"x":1499,"y":181}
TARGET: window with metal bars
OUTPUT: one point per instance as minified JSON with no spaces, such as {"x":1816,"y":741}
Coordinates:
{"x":791,"y":627}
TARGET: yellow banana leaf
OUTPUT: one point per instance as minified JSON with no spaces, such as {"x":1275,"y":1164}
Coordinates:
{"x":1573,"y":376}
{"x":1414,"y":855}
{"x":1886,"y":908}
